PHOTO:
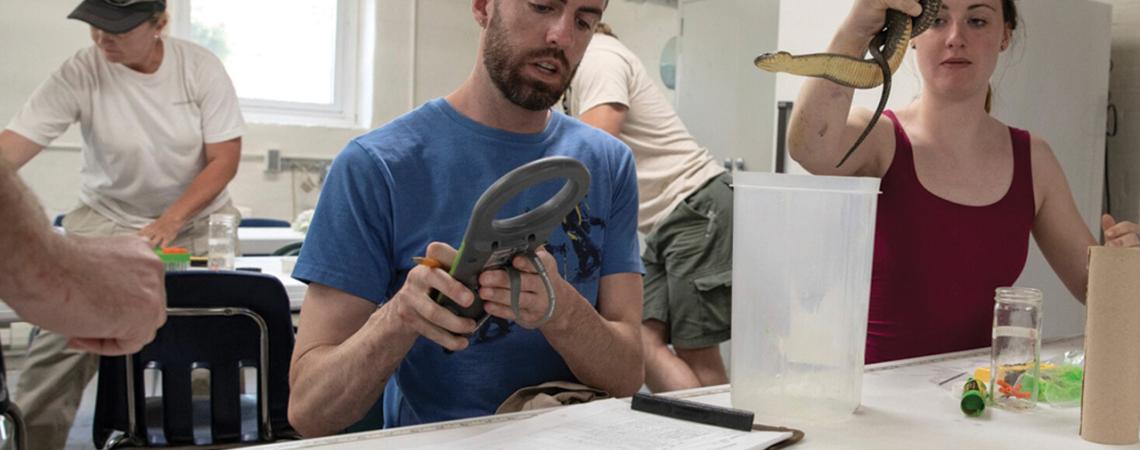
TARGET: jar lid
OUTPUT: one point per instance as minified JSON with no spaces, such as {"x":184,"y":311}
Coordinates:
{"x":1018,"y":295}
{"x":223,"y":218}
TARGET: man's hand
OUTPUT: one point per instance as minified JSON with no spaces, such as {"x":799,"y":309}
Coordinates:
{"x":1123,"y":234}
{"x":495,"y":290}
{"x":162,"y":231}
{"x":416,"y":313}
{"x":108,"y":295}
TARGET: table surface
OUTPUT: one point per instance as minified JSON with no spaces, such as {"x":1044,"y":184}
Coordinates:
{"x":271,"y":265}
{"x":903,"y":407}
{"x":264,"y":241}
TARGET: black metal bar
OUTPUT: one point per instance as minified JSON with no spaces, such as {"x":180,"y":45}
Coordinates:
{"x":784,"y":112}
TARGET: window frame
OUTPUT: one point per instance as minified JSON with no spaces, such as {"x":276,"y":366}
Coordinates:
{"x":346,"y":110}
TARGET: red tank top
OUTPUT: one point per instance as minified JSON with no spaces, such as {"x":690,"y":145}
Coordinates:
{"x":937,"y":262}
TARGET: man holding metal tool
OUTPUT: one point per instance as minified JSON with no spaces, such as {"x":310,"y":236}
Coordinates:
{"x":370,"y":325}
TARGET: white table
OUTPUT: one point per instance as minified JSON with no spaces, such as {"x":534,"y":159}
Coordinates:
{"x":903,"y":408}
{"x":271,"y":265}
{"x":268,"y":264}
{"x":263,"y":241}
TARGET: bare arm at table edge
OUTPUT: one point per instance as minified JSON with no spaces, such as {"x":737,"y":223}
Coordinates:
{"x":107,"y":294}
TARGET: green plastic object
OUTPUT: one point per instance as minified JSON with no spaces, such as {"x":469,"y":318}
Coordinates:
{"x":973,"y":398}
{"x":173,"y":258}
{"x":1059,"y":386}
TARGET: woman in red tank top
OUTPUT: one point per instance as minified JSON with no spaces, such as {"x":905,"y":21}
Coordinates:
{"x":961,"y":191}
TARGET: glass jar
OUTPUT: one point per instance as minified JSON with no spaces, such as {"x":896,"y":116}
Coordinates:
{"x":1015,"y":357}
{"x":222,"y":241}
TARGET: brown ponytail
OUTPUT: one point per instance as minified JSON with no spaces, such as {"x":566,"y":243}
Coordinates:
{"x":989,"y":98}
{"x":1009,"y":14}
{"x":604,"y":28}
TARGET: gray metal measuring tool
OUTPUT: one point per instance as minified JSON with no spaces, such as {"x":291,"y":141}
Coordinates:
{"x":491,"y":243}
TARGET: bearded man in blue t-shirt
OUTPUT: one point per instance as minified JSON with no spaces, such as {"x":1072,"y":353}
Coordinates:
{"x":408,"y":189}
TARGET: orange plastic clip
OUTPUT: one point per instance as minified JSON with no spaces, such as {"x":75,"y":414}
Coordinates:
{"x":430,"y":262}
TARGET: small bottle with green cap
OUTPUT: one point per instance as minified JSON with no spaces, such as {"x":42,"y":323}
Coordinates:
{"x":174,"y":258}
{"x":973,"y":398}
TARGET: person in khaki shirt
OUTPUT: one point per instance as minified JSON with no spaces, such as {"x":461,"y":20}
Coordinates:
{"x":161,"y":131}
{"x":685,"y":212}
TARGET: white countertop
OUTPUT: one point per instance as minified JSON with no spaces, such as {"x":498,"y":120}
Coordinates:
{"x":903,"y":408}
{"x":264,"y":241}
{"x":260,"y":241}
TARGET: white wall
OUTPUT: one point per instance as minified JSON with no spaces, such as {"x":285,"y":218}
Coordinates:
{"x":1066,"y":107}
{"x":644,"y":26}
{"x":423,"y":49}
{"x":1124,"y":149}
{"x":724,"y":100}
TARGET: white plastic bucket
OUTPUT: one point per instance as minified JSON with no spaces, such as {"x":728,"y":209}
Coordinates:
{"x":802,"y":248}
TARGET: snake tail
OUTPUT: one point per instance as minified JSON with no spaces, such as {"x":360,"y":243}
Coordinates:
{"x":878,"y":111}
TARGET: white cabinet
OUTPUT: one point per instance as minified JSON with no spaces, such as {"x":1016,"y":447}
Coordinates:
{"x":727,"y":103}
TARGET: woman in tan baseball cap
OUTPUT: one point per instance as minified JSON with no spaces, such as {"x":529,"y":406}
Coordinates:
{"x":117,"y":16}
{"x":161,"y":139}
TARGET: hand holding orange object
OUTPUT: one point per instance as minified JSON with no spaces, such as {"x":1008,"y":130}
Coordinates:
{"x":427,"y":261}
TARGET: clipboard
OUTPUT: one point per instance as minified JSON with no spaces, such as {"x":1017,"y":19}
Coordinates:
{"x":732,"y":418}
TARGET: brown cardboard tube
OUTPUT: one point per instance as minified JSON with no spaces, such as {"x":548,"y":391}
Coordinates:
{"x":1110,"y":403}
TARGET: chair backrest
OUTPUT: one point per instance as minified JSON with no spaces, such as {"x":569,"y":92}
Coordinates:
{"x":292,"y":249}
{"x":11,"y":414}
{"x":258,"y":222}
{"x":217,"y":372}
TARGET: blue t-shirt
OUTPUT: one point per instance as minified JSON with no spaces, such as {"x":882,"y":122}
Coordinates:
{"x":415,"y":181}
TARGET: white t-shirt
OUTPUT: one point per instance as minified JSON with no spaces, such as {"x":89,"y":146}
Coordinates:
{"x":671,"y":165}
{"x":144,"y":135}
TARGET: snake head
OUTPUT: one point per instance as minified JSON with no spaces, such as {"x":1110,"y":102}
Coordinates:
{"x":772,"y":61}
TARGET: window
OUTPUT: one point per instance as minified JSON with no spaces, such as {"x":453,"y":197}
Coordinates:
{"x":292,"y":61}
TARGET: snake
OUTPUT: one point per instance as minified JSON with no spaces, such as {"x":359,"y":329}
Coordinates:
{"x":887,"y":50}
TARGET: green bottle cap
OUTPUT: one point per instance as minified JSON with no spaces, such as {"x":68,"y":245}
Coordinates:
{"x":173,"y":255}
{"x":973,"y":403}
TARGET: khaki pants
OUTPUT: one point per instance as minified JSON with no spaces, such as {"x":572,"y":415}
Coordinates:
{"x":54,"y":376}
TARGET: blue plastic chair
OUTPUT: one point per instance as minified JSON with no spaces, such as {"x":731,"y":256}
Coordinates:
{"x":257,"y":222}
{"x":217,"y":373}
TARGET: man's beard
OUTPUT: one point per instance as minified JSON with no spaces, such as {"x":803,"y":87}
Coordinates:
{"x":507,"y":73}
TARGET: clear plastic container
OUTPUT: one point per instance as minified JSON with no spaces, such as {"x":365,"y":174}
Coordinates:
{"x":1015,"y":357}
{"x":802,"y":248}
{"x":222,"y":241}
